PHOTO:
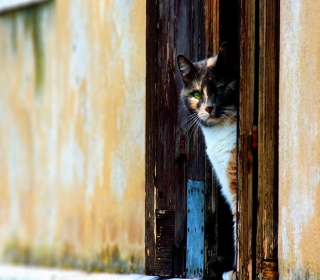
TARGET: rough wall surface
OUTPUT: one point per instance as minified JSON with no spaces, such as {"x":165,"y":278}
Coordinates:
{"x":299,"y":147}
{"x":72,"y":121}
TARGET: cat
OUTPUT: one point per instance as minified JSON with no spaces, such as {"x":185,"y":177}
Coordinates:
{"x":211,"y":95}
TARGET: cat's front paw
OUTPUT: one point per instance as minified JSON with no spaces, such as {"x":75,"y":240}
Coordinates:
{"x":229,"y":275}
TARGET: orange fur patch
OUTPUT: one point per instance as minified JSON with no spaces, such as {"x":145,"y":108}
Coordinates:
{"x":232,"y":119}
{"x":193,"y":103}
{"x":232,"y":177}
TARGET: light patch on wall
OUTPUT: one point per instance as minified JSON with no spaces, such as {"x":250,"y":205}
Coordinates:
{"x":290,"y":54}
{"x":102,"y":10}
{"x":80,"y":44}
{"x":14,"y":158}
{"x":72,"y":161}
{"x":94,"y":159}
{"x":121,"y":15}
{"x":118,"y":181}
{"x":285,"y":237}
{"x":130,"y":123}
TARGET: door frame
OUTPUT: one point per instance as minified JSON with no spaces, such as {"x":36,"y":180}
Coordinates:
{"x":257,"y":217}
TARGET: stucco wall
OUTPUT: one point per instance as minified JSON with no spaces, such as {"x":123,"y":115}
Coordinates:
{"x":299,"y":151}
{"x":72,"y":121}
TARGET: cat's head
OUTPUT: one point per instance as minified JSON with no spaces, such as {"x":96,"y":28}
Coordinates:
{"x":211,"y":87}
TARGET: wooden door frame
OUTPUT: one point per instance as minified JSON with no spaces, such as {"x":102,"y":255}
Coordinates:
{"x":257,"y":168}
{"x":268,"y":119}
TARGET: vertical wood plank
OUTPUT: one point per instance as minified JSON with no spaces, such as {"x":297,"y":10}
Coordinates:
{"x":212,"y":19}
{"x":172,"y":28}
{"x":245,"y":155}
{"x":151,"y":136}
{"x":164,"y":242}
{"x":267,"y":138}
{"x":165,"y":108}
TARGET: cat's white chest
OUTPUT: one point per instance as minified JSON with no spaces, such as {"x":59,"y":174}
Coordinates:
{"x":221,"y":140}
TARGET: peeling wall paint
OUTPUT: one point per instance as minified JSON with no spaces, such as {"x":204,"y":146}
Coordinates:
{"x":299,"y":147}
{"x":72,"y":121}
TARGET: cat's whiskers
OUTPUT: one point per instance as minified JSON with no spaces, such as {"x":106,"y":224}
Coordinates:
{"x":195,"y":128}
{"x":182,"y":107}
{"x":189,"y":118}
{"x":228,"y":115}
{"x":225,"y":118}
{"x":192,"y":123}
{"x":188,"y":122}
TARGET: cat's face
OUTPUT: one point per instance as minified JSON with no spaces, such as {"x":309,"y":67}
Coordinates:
{"x":210,"y":87}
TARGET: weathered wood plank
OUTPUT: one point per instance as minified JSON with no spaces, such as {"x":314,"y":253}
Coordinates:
{"x":212,"y":24}
{"x":267,"y":138}
{"x":245,"y":155}
{"x":151,"y":136}
{"x":165,"y":220}
{"x":172,"y":28}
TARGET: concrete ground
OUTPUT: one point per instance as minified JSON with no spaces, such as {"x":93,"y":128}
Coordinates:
{"x":12,"y":272}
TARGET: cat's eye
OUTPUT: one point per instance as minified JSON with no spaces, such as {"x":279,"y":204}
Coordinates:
{"x":197,"y":95}
{"x":219,"y":90}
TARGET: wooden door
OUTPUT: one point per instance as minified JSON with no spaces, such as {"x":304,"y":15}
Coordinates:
{"x":180,"y":240}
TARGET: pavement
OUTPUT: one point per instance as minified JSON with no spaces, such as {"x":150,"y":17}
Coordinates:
{"x":13,"y":272}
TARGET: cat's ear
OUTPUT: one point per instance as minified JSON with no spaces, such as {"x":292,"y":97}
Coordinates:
{"x":224,"y":56}
{"x":186,"y":67}
{"x":225,"y":63}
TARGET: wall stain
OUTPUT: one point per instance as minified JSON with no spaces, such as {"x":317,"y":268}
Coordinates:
{"x":108,"y":259}
{"x":35,"y":22}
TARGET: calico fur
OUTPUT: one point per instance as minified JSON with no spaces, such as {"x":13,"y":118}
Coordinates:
{"x":211,"y":95}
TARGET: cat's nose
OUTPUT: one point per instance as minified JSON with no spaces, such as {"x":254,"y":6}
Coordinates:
{"x":209,"y":109}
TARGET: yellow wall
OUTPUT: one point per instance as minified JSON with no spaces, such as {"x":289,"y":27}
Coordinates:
{"x":299,"y":153}
{"x":72,"y":118}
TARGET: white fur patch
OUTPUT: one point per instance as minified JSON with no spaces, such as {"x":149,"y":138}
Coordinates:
{"x":229,"y":275}
{"x":211,"y":61}
{"x":221,"y":139}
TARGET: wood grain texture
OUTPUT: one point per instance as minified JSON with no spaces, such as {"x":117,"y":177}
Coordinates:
{"x":267,"y":245}
{"x":172,"y":28}
{"x":151,"y":137}
{"x":245,"y":155}
{"x":164,"y":242}
{"x":212,"y":26}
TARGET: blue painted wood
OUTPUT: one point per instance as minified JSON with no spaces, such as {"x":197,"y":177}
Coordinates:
{"x":195,"y":229}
